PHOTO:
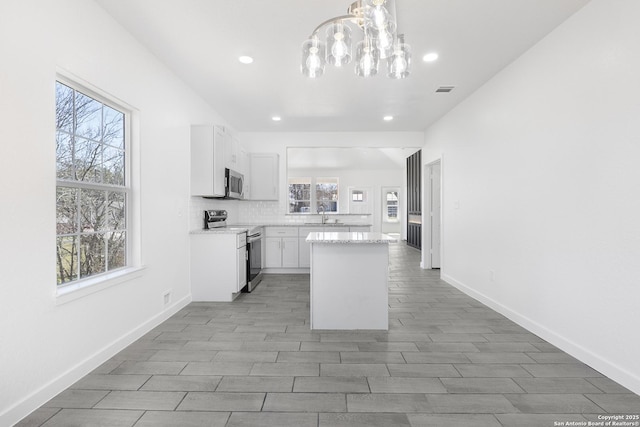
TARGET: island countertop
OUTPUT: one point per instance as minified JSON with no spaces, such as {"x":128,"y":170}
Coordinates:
{"x":348,"y":237}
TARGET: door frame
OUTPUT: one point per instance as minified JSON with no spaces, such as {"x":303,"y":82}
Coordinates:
{"x":427,"y":219}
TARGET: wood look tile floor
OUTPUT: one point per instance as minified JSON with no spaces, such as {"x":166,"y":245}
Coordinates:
{"x":447,"y":360}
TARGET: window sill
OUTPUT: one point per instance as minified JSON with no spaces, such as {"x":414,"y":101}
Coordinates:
{"x":83,"y":288}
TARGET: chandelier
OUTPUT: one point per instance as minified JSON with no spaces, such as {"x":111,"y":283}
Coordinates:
{"x":376,"y":20}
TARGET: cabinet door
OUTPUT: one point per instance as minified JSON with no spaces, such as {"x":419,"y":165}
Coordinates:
{"x":241,"y":266}
{"x":289,"y":252}
{"x":207,"y":163}
{"x":264,"y":176}
{"x":273,"y":252}
{"x":230,"y":152}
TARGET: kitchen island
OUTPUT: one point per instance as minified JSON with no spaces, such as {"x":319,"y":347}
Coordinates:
{"x":349,"y":279}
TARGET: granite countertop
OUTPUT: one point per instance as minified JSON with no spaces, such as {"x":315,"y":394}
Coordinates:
{"x":221,"y":230}
{"x":242,"y":228}
{"x":351,"y":237}
{"x":318,"y":224}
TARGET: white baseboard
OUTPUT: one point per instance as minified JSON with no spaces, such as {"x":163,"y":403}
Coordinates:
{"x":597,"y":362}
{"x":45,"y":393}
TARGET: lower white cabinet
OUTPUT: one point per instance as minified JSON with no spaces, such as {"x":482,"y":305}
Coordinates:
{"x":281,"y":247}
{"x":218,"y":265}
{"x":286,"y":247}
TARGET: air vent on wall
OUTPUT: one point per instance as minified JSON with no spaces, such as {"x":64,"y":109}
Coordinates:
{"x":445,"y":89}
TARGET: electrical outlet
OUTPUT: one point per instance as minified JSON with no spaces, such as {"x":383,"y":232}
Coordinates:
{"x":167,"y":297}
{"x":492,"y":275}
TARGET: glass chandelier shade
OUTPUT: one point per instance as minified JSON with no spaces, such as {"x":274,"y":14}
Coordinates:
{"x":380,"y":16}
{"x":313,"y":58}
{"x":377,"y":21}
{"x":367,"y":59}
{"x":399,"y":63}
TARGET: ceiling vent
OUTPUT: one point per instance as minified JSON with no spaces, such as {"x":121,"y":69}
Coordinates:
{"x":445,"y":89}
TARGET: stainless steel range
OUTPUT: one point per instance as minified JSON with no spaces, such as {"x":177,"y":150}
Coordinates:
{"x":254,"y":263}
{"x":215,"y":219}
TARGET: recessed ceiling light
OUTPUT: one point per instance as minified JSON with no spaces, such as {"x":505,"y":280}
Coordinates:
{"x":430,"y":57}
{"x":387,"y":118}
{"x":245,"y":59}
{"x":276,"y":118}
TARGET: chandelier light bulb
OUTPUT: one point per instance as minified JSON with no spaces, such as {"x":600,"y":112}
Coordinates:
{"x":338,"y":44}
{"x":384,"y":43}
{"x":398,"y":64}
{"x":313,"y":62}
{"x":339,"y":48}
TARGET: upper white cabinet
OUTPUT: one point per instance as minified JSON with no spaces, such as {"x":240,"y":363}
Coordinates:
{"x":263,"y":177}
{"x":207,"y":162}
{"x":231,"y":150}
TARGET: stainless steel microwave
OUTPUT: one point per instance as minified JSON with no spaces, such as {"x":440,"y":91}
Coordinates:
{"x":233,"y":184}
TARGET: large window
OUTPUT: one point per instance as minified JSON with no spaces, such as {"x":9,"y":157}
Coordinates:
{"x":92,"y":189}
{"x":303,"y":200}
{"x":299,"y":195}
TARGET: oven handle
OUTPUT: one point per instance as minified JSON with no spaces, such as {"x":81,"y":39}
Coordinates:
{"x":251,"y":239}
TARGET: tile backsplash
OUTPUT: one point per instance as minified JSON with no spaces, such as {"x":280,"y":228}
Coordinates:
{"x":259,"y":212}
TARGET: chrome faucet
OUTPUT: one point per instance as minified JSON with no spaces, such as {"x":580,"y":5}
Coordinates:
{"x":321,"y":207}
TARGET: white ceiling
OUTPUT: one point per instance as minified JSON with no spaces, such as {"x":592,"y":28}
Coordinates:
{"x":201,"y":40}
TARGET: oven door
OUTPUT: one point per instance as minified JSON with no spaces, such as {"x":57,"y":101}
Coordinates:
{"x":254,"y":264}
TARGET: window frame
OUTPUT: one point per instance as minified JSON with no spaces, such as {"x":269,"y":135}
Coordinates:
{"x":81,"y":286}
{"x":314,"y":202}
{"x":326,"y":180}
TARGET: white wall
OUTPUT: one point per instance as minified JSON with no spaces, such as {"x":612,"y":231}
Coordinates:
{"x":543,"y":161}
{"x":45,"y":347}
{"x":277,"y":142}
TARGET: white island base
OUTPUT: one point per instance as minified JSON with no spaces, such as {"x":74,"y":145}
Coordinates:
{"x":349,"y":280}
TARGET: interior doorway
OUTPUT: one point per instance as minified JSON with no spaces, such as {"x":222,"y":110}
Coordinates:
{"x":432,"y":247}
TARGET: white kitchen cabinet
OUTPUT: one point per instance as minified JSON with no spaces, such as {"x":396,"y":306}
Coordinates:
{"x":243,"y":168}
{"x":264,"y":176}
{"x":281,"y":247}
{"x":304,"y":248}
{"x":218,"y":265}
{"x":241,"y":267}
{"x":207,"y":161}
{"x":231,"y":152}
